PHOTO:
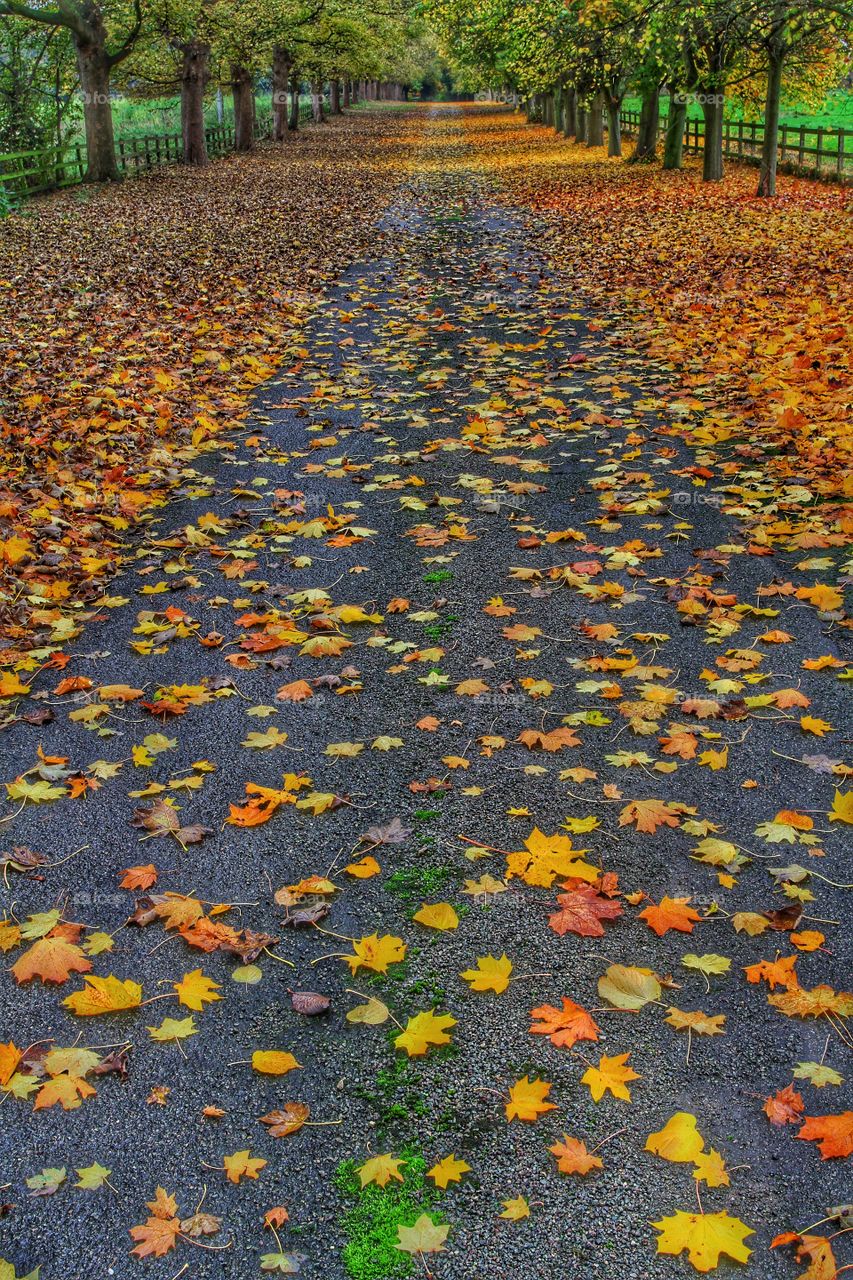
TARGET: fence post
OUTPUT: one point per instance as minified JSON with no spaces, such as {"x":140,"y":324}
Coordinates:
{"x":740,"y":139}
{"x":839,"y":164}
{"x":819,"y":157}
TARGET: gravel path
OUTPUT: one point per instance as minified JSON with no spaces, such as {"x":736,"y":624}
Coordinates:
{"x":454,"y":407}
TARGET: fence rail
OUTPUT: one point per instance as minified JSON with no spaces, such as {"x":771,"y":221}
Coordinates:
{"x":30,"y":173}
{"x":804,"y":149}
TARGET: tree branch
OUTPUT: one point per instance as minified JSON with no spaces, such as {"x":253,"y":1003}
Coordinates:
{"x":113,"y":59}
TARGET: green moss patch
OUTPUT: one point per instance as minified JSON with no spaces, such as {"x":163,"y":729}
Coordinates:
{"x":374,"y":1213}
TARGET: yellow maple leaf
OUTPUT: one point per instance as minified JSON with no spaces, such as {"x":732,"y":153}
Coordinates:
{"x":195,"y":990}
{"x":611,"y":1074}
{"x":171,"y":1029}
{"x":842,"y":807}
{"x":544,"y":857}
{"x":372,"y":952}
{"x":448,"y":1170}
{"x":527,"y":1099}
{"x":515,"y":1209}
{"x":490,"y":974}
{"x":679,"y":1141}
{"x":811,"y":724}
{"x":705,"y":1236}
{"x":711,"y":1168}
{"x":380,"y":1169}
{"x":104,"y":995}
{"x":242,"y":1165}
{"x":703,"y":1024}
{"x":437,"y":915}
{"x":423,"y":1030}
{"x":424,"y":1236}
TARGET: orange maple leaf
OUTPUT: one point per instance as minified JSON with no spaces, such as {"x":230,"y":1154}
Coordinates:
{"x":564,"y":1026}
{"x":648,"y":815}
{"x":785,"y":1106}
{"x":582,"y":911}
{"x":141,"y":877}
{"x":776,"y":973}
{"x":53,"y":959}
{"x":573,"y":1157}
{"x":834,"y":1134}
{"x":670,"y":913}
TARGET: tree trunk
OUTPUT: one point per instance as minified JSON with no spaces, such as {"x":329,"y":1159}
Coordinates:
{"x":293,"y":121}
{"x":281,"y":68}
{"x":614,"y":126}
{"x":580,"y":123}
{"x":595,"y":125}
{"x":195,"y":73}
{"x":673,"y":146}
{"x":94,"y":68}
{"x":347,"y":99}
{"x":242,"y":88}
{"x":647,"y":133}
{"x":317,"y":101}
{"x":334,"y":97}
{"x":712,"y":153}
{"x":570,"y":114}
{"x":769,"y":148}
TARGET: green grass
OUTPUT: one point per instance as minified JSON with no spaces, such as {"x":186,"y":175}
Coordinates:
{"x":139,"y":118}
{"x":835,"y":113}
{"x":370,"y":1222}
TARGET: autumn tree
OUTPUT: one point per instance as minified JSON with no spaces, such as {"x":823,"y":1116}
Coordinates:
{"x":802,"y":34}
{"x":103,"y":33}
{"x":37,"y":84}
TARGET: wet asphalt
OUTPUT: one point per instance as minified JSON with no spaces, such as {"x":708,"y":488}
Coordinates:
{"x":446,"y":255}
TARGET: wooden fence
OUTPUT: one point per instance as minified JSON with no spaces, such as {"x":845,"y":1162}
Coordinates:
{"x":29,"y":173}
{"x":803,"y":149}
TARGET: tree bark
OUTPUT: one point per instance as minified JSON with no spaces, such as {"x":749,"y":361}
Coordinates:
{"x":570,"y":114}
{"x":769,"y":148}
{"x":712,"y":153}
{"x":281,"y":68}
{"x":293,"y":121}
{"x":347,"y":98}
{"x":317,"y":101}
{"x":580,"y":123}
{"x":614,"y":126}
{"x":334,"y":98}
{"x":647,"y":133}
{"x":243,"y":90}
{"x":195,"y":73}
{"x":673,"y":147}
{"x":93,"y":65}
{"x":595,"y":124}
